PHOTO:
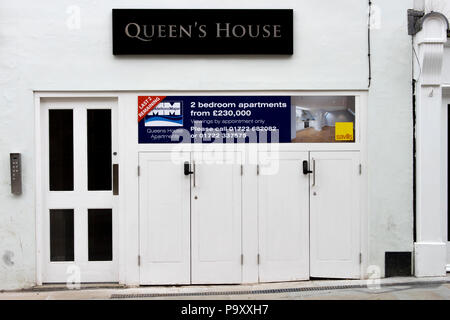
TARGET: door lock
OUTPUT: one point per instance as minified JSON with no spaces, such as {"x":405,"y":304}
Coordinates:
{"x":305,"y":167}
{"x":187,"y":169}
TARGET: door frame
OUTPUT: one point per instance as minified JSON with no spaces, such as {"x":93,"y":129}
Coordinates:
{"x":249,"y":204}
{"x":128,"y":179}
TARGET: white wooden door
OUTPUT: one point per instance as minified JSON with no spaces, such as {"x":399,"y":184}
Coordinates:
{"x":216,"y":218}
{"x":335,"y":215}
{"x":80,"y":218}
{"x":283,"y":197}
{"x":164,"y":219}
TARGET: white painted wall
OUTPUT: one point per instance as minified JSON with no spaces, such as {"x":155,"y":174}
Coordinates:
{"x":390,"y":139}
{"x":41,"y":50}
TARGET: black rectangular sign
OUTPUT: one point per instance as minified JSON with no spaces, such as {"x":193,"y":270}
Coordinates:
{"x":202,"y":31}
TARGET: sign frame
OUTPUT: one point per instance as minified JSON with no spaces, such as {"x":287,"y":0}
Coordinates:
{"x":202,"y":31}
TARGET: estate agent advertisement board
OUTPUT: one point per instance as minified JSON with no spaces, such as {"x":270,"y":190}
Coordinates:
{"x":246,"y":119}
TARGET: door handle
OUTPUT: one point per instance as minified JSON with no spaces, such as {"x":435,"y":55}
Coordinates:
{"x":187,"y":169}
{"x":195,"y":170}
{"x":314,"y":172}
{"x":305,"y":167}
{"x":115,"y":179}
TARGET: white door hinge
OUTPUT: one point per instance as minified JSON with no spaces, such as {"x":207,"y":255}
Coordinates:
{"x":139,"y":260}
{"x":258,"y":259}
{"x":242,"y":169}
{"x":360,"y":258}
{"x":139,"y":171}
{"x":242,"y":259}
{"x":360,"y":169}
{"x":257,"y":169}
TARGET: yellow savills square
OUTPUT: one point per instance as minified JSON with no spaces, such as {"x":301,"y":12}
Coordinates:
{"x":344,"y":131}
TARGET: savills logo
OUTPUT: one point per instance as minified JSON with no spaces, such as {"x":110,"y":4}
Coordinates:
{"x":165,"y":114}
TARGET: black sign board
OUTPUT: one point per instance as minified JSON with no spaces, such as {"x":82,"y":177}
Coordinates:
{"x":202,"y":31}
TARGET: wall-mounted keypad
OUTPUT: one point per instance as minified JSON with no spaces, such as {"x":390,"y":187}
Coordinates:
{"x":16,"y":173}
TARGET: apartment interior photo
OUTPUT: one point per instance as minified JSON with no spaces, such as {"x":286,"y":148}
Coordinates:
{"x":313,"y":118}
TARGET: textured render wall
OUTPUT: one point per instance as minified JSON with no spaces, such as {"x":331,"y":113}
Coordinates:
{"x":41,"y":50}
{"x":390,"y":140}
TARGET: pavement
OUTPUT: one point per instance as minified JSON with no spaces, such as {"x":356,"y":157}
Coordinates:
{"x":402,"y":288}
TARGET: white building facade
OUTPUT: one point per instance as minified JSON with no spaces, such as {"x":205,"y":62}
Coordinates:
{"x":89,"y":193}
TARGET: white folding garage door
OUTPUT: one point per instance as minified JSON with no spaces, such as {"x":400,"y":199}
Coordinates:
{"x":190,"y":224}
{"x":309,"y":224}
{"x":190,"y":219}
